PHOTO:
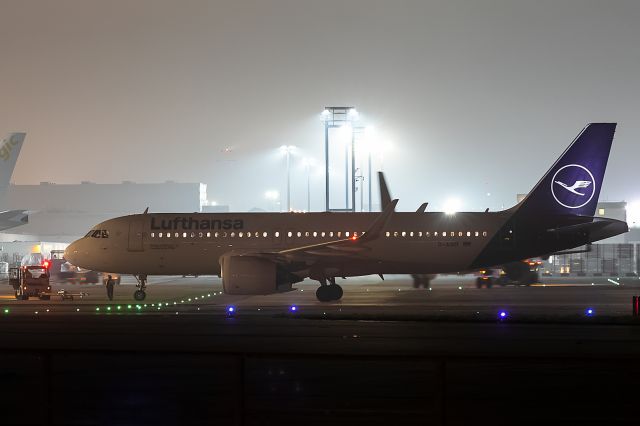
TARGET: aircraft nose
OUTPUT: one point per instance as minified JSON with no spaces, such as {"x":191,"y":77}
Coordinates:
{"x":72,"y":252}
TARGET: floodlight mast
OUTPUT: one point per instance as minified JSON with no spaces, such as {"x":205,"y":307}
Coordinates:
{"x":336,"y":117}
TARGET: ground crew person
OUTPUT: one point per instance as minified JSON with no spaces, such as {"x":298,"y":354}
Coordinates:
{"x":110,"y":287}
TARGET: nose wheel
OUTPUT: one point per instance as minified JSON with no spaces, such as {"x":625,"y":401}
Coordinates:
{"x":140,"y":293}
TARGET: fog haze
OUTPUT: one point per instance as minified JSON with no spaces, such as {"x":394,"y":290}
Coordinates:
{"x":473,"y":98}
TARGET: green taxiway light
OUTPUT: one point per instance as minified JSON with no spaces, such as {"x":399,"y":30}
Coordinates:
{"x":189,"y":300}
{"x":6,"y":310}
{"x":209,"y":295}
{"x":97,"y":309}
{"x":128,"y":306}
{"x":119,"y":307}
{"x":108,"y":308}
{"x":138,"y":307}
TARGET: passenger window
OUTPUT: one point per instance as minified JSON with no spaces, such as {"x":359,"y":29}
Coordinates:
{"x":484,"y":234}
{"x":322,"y":234}
{"x":460,"y":234}
{"x":264,"y":234}
{"x":395,"y":234}
{"x":306,"y":234}
{"x":176,"y":235}
{"x":277,"y":234}
{"x":153,"y":235}
{"x":299,"y":234}
{"x":427,"y":234}
{"x":453,"y":234}
{"x":193,"y":234}
{"x":224,"y":235}
{"x":233,"y":235}
{"x":477,"y":234}
{"x":468,"y":234}
{"x":184,"y":235}
{"x":208,"y":234}
{"x":435,"y":234}
{"x":419,"y":233}
{"x":411,"y":234}
{"x":331,"y":234}
{"x":387,"y":234}
{"x":339,"y":234}
{"x":159,"y":234}
{"x":240,"y":234}
{"x":315,"y":234}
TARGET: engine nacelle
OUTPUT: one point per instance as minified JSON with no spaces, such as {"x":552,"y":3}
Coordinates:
{"x":248,"y":275}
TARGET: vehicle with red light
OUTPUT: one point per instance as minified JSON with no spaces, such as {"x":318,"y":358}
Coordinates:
{"x":524,"y":272}
{"x":31,"y":278}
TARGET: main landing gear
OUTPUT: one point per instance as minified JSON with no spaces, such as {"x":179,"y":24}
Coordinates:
{"x":140,"y":294}
{"x":329,"y":292}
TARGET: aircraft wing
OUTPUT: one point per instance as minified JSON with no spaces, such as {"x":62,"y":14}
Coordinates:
{"x":347,"y":247}
{"x":12,"y":218}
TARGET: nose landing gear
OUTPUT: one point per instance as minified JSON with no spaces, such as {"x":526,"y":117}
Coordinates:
{"x":140,"y":293}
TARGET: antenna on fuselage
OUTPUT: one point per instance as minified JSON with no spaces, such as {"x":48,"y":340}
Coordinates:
{"x":146,"y":211}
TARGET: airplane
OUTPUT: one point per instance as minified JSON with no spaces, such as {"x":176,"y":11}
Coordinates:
{"x":9,"y":150}
{"x":263,"y":253}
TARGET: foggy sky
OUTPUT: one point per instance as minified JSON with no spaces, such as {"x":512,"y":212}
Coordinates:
{"x":475,"y":97}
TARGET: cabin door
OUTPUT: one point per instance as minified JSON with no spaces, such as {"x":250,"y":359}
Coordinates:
{"x":135,"y":234}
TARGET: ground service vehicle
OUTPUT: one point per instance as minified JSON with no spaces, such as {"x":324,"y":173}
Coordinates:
{"x":30,"y":281}
{"x":525,"y":272}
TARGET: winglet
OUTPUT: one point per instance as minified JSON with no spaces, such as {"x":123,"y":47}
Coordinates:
{"x":374,"y":230}
{"x":146,"y":211}
{"x":422,"y":208}
{"x":385,"y":195}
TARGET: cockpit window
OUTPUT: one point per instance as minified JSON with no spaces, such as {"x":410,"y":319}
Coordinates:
{"x":98,"y":233}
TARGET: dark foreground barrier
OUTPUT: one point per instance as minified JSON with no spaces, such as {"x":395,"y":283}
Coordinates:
{"x":120,"y":387}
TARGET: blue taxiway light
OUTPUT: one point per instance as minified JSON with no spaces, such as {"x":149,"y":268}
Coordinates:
{"x":503,"y":315}
{"x":293,"y":308}
{"x":589,"y":312}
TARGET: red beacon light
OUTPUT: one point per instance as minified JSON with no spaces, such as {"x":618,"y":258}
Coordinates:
{"x":45,"y":263}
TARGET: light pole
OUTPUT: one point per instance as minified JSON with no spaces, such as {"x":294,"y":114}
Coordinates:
{"x":307,"y":165}
{"x":287,"y":150}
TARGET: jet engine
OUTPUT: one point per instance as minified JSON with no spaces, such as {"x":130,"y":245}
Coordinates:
{"x":248,"y":275}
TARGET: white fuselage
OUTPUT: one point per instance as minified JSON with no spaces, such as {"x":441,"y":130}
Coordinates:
{"x":185,"y":244}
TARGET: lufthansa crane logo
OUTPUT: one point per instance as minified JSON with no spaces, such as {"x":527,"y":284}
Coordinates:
{"x":573,"y":186}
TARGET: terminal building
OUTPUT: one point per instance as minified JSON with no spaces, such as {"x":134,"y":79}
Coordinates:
{"x":63,"y":212}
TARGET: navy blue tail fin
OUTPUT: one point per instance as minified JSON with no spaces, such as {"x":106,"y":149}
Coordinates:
{"x":572,"y":185}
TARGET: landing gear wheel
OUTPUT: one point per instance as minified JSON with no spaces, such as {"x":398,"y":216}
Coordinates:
{"x":323,"y":293}
{"x":329,"y":293}
{"x":336,"y":292}
{"x":139,"y":295}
